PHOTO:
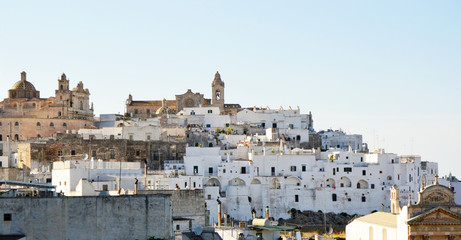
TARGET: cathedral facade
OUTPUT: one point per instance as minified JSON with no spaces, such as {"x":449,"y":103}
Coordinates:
{"x":24,"y":114}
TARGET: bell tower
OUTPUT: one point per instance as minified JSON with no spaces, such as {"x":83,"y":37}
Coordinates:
{"x":63,"y":93}
{"x":395,"y":203}
{"x":63,"y":83}
{"x":217,"y":91}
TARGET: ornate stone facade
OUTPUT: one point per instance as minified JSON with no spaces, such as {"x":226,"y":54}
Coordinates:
{"x":24,"y":114}
{"x":190,"y":99}
{"x":435,"y":216}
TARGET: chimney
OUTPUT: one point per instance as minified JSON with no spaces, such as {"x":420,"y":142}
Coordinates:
{"x":267,"y":212}
{"x":219,"y":212}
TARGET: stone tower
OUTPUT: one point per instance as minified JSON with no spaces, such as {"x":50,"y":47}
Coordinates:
{"x":217,"y":88}
{"x":395,"y":203}
{"x":62,"y":92}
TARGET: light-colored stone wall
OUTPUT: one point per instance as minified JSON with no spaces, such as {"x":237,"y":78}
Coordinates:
{"x":34,"y":127}
{"x":186,"y":204}
{"x":122,"y":217}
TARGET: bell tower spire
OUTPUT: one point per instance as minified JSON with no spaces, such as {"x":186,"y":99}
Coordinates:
{"x":217,"y":91}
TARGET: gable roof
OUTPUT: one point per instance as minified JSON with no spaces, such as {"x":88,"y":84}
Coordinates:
{"x":451,"y":218}
{"x":380,"y":218}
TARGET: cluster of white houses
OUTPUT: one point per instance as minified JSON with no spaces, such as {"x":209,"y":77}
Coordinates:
{"x":253,"y":177}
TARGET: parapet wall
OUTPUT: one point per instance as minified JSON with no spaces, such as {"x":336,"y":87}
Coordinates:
{"x":119,"y":217}
{"x":186,"y":204}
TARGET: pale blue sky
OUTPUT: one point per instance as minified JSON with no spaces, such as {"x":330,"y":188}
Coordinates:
{"x":387,"y":69}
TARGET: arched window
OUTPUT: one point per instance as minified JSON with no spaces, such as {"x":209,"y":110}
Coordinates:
{"x":62,"y":87}
{"x":38,"y":124}
{"x":51,"y":124}
{"x":16,"y":124}
{"x":16,"y":137}
{"x":81,"y":105}
{"x":210,"y":145}
{"x":59,"y":114}
{"x":38,"y":136}
{"x":64,"y":125}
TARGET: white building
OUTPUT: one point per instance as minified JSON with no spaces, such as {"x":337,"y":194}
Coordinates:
{"x":340,"y":140}
{"x":282,"y":119}
{"x":91,"y":177}
{"x":333,"y":181}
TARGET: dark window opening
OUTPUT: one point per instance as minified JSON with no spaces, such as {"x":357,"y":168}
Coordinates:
{"x":243,"y":170}
{"x":296,"y":198}
{"x":72,"y":152}
{"x":364,"y":172}
{"x":364,"y":199}
{"x":7,"y":217}
{"x":112,"y":153}
{"x":333,"y":197}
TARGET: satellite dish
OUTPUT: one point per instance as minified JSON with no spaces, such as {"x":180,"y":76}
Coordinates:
{"x":330,"y":230}
{"x":85,"y":156}
{"x":197,"y":230}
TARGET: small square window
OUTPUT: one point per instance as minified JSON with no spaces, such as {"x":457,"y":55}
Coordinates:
{"x":210,"y":111}
{"x":7,"y":217}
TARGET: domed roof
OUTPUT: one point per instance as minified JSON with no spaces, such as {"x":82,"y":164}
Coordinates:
{"x":164,"y":110}
{"x":23,"y":83}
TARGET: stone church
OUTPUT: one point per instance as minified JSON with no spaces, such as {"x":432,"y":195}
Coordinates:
{"x":434,"y":216}
{"x":24,"y":114}
{"x":149,"y":108}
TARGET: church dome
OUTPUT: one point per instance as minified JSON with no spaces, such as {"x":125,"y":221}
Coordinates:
{"x":23,"y":85}
{"x":164,"y":110}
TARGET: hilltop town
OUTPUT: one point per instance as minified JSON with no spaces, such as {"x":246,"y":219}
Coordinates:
{"x":198,"y":167}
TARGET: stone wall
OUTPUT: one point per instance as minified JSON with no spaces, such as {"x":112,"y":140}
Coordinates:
{"x":35,"y":155}
{"x":186,"y":204}
{"x":12,"y":174}
{"x":121,"y":217}
{"x":24,"y":128}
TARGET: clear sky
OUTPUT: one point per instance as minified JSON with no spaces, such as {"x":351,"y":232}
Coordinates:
{"x":389,"y":70}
